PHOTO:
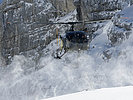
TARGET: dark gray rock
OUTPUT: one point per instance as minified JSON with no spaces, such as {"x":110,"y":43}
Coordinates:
{"x":100,"y":9}
{"x":123,"y":23}
{"x":20,"y":31}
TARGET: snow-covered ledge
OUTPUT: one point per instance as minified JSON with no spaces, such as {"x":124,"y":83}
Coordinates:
{"x":120,"y":93}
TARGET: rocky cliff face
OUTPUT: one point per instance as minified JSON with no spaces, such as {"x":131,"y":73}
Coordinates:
{"x":18,"y":36}
{"x":122,"y":26}
{"x":100,"y":9}
{"x":20,"y":28}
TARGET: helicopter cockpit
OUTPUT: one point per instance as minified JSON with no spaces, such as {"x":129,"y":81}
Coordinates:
{"x":77,"y":37}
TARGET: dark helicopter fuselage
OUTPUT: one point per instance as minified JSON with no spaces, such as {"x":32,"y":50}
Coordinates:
{"x":76,"y":40}
{"x":77,"y":37}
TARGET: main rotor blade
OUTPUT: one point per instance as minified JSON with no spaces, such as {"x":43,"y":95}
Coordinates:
{"x":47,"y":23}
{"x":87,"y":22}
{"x":51,"y":23}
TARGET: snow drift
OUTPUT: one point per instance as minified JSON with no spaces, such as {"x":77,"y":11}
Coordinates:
{"x":121,"y":93}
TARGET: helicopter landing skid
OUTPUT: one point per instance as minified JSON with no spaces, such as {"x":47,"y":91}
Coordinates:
{"x":59,"y":53}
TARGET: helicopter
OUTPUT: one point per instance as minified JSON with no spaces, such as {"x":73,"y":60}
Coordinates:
{"x":73,"y":39}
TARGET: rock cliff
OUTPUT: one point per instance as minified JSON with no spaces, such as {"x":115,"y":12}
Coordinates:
{"x":20,"y":29}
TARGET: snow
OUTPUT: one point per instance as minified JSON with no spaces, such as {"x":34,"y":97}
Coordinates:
{"x":28,"y":5}
{"x":1,"y":1}
{"x":40,"y":3}
{"x":47,"y":8}
{"x":99,"y":44}
{"x":127,"y":14}
{"x":23,"y":79}
{"x":73,"y":73}
{"x":119,"y":93}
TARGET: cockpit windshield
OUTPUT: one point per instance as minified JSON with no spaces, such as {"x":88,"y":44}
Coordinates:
{"x":77,"y":37}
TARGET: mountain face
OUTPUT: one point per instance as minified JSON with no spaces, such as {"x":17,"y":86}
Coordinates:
{"x":35,"y":74}
{"x":19,"y":37}
{"x":100,"y":9}
{"x":20,"y":28}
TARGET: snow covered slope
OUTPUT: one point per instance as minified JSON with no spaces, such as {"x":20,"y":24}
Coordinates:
{"x":121,"y":93}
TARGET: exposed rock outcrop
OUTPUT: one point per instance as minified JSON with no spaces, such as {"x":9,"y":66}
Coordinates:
{"x":20,"y":28}
{"x":99,"y":9}
{"x":20,"y":20}
{"x":123,"y":23}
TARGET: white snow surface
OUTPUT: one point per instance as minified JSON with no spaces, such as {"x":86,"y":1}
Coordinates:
{"x":127,"y":14}
{"x":119,"y":93}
